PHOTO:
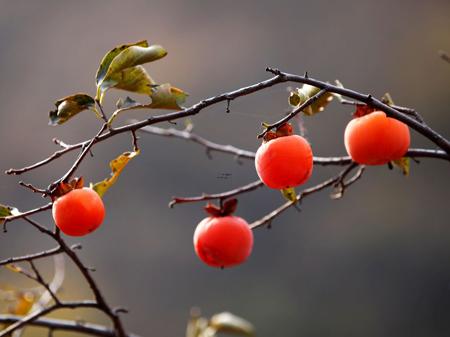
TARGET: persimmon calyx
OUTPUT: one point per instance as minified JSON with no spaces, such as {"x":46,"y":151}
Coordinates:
{"x":228,"y":207}
{"x":65,"y":187}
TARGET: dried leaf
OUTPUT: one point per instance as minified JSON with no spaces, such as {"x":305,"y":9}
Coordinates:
{"x":117,"y":165}
{"x":70,"y":106}
{"x":289,"y":194}
{"x":403,"y":164}
{"x":165,"y":96}
{"x":228,"y":323}
{"x":301,"y":95}
{"x":14,"y":268}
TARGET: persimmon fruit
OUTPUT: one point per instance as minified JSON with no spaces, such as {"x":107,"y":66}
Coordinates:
{"x":375,"y":139}
{"x":285,"y":161}
{"x":223,"y":241}
{"x":78,"y":212}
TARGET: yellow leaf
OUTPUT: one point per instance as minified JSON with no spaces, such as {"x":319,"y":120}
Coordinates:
{"x":117,"y":165}
{"x":228,"y":323}
{"x":14,"y":267}
{"x":289,"y":193}
{"x":165,"y":96}
{"x":403,"y":164}
{"x":70,"y":106}
{"x":301,"y":95}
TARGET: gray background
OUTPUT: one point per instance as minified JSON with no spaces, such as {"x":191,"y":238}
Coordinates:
{"x":376,"y":263}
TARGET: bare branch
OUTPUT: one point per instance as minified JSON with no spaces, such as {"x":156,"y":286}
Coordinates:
{"x":224,"y":195}
{"x":65,"y":325}
{"x":30,"y":257}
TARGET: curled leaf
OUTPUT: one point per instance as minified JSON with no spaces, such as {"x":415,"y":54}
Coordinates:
{"x":226,"y":322}
{"x":289,"y":194}
{"x":301,"y":95}
{"x":403,"y":164}
{"x":70,"y":106}
{"x":120,"y":68}
{"x":165,"y":96}
{"x":107,"y":59}
{"x":117,"y":165}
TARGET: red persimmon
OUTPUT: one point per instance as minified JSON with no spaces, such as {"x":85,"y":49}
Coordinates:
{"x":284,"y":162}
{"x":223,"y":241}
{"x":375,"y":139}
{"x":79,"y":212}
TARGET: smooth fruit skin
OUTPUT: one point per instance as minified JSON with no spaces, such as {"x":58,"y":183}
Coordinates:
{"x":79,"y":212}
{"x":375,"y":139}
{"x":284,"y":162}
{"x":223,"y":241}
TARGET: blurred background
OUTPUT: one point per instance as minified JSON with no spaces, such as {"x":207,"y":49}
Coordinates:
{"x":376,"y":263}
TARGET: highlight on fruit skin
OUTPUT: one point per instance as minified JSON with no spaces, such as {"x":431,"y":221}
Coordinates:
{"x":223,"y":241}
{"x":375,"y":139}
{"x":284,"y":161}
{"x":78,"y":212}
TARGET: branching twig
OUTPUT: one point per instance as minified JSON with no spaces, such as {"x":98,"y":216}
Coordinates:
{"x":267,"y":219}
{"x":294,"y":113}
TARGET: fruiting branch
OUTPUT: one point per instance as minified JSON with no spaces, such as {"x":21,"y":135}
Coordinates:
{"x":339,"y":182}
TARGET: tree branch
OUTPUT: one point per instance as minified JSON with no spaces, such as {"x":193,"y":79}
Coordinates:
{"x":65,"y":325}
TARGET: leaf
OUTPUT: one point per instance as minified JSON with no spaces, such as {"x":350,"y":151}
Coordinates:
{"x":117,"y":165}
{"x":165,"y":96}
{"x":289,"y":194}
{"x":134,"y":79}
{"x":6,"y":211}
{"x":403,"y":164}
{"x":301,"y":95}
{"x":229,"y":323}
{"x":107,"y":59}
{"x":115,"y":67}
{"x":70,"y":106}
{"x":125,"y":104}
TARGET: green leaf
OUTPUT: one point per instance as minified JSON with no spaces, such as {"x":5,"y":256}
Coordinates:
{"x":301,"y":95}
{"x":112,"y":68}
{"x":70,"y":106}
{"x":6,"y":211}
{"x":228,"y":323}
{"x":117,"y":165}
{"x":107,"y":59}
{"x":165,"y":96}
{"x":289,"y":194}
{"x":403,"y":164}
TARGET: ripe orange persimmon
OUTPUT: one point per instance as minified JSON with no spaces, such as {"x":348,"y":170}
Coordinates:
{"x":375,"y":139}
{"x":284,"y":162}
{"x":79,"y":212}
{"x":223,"y":240}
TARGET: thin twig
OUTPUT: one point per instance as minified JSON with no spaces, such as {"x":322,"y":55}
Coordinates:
{"x":294,"y":113}
{"x":224,"y":195}
{"x":65,"y":325}
{"x":30,"y":257}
